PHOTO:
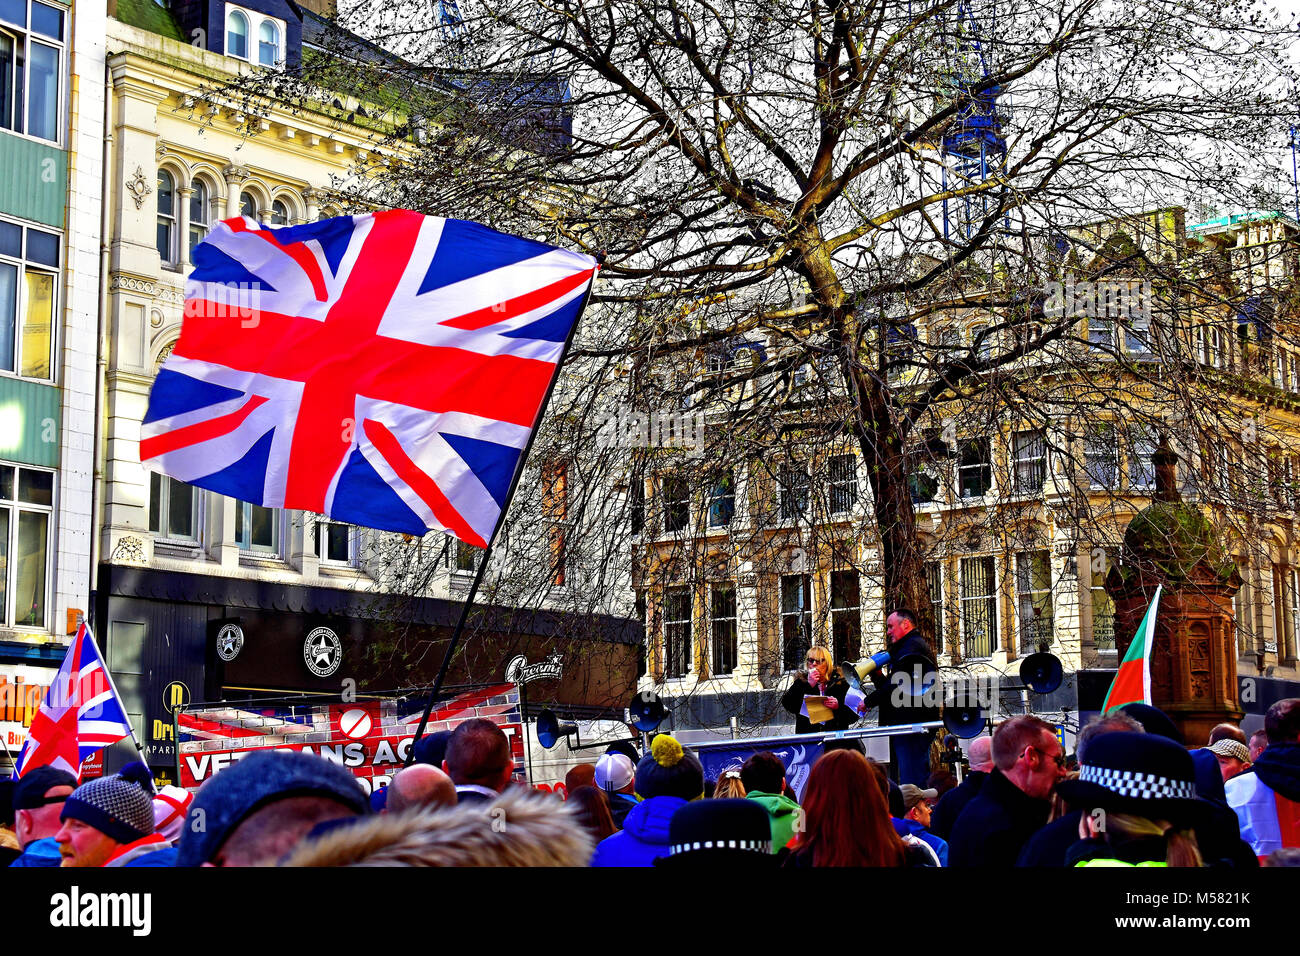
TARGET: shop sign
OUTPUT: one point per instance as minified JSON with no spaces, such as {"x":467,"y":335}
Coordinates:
{"x":322,"y":651}
{"x":519,"y":671}
{"x":230,"y":641}
{"x":22,"y":690}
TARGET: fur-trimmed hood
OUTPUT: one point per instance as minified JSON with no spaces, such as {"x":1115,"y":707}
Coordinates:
{"x":519,"y":828}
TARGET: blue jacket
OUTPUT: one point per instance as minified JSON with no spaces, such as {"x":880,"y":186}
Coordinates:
{"x":938,"y":844}
{"x":43,"y":852}
{"x":644,"y":836}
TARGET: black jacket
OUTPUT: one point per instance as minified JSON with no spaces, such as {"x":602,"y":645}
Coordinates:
{"x":1279,"y":768}
{"x":916,"y":647}
{"x":620,"y":805}
{"x":952,"y":803}
{"x":996,"y":825}
{"x":792,"y":700}
{"x":1050,"y":845}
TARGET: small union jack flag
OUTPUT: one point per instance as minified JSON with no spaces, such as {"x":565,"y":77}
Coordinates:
{"x":80,"y":714}
{"x":385,"y":370}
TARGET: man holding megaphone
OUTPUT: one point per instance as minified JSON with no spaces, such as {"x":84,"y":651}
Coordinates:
{"x":904,"y":688}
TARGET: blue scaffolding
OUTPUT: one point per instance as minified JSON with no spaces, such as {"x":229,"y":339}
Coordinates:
{"x":973,"y":146}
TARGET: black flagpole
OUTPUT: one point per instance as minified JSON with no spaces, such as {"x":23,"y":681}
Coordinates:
{"x":487,"y":552}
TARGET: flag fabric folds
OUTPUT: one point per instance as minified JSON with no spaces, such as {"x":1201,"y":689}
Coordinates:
{"x":386,"y":370}
{"x":81,"y":713}
{"x":1132,"y":684}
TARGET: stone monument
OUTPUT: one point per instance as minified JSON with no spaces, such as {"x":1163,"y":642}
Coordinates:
{"x":1194,"y":660}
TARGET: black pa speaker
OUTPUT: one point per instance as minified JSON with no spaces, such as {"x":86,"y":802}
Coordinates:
{"x":647,"y":711}
{"x":550,"y":729}
{"x":964,"y":721}
{"x":1042,"y":672}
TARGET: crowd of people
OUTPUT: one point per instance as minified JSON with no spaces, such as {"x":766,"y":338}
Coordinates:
{"x":1132,"y":794}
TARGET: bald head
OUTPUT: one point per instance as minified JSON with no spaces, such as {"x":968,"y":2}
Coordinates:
{"x":980,"y":754}
{"x":420,"y":785}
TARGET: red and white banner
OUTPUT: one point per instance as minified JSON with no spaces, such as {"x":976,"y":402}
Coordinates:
{"x":371,"y":738}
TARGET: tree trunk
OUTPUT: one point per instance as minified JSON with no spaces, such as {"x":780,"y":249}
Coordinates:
{"x":883,"y":451}
{"x":883,"y":445}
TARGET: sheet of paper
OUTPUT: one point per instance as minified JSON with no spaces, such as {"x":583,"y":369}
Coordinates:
{"x":816,"y":709}
{"x":854,"y":700}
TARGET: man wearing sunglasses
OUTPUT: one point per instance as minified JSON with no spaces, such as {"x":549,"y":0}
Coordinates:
{"x":1014,"y":802}
{"x":38,"y":801}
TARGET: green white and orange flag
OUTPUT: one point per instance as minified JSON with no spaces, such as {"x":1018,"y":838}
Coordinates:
{"x":1132,"y":684}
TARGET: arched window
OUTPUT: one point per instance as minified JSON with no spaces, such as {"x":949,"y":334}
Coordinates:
{"x":247,"y":205}
{"x":166,"y":216}
{"x":279,"y":213}
{"x":237,"y":35}
{"x":268,"y":44}
{"x":200,"y":214}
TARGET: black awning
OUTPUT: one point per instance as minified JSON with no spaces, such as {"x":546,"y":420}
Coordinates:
{"x":187,"y":588}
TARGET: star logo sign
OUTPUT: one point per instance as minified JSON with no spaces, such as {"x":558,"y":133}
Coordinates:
{"x":230,"y":641}
{"x":322,"y":651}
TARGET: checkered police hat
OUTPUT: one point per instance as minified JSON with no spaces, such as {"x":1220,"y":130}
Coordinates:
{"x":1144,"y":774}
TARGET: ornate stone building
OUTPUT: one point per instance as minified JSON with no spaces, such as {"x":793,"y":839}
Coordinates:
{"x":1022,"y":508}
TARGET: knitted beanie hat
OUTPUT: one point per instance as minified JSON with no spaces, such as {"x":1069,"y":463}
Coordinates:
{"x":669,"y":771}
{"x":120,"y":807}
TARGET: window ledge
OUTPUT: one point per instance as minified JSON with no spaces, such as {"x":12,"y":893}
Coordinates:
{"x":27,"y":378}
{"x":26,"y":632}
{"x":340,"y":570}
{"x":263,"y":561}
{"x":460,"y":580}
{"x":1018,"y":496}
{"x":52,"y":143}
{"x":176,"y":548}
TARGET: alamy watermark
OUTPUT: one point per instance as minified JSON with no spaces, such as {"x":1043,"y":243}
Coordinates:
{"x":1120,"y":299}
{"x":225,"y":300}
{"x":631,"y":428}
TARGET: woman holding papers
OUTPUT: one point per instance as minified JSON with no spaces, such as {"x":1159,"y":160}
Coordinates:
{"x":816,"y":697}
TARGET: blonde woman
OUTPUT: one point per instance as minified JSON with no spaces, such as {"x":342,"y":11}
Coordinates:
{"x":819,"y":677}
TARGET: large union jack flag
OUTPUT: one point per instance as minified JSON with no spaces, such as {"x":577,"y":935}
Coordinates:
{"x":385,"y":370}
{"x":80,"y":714}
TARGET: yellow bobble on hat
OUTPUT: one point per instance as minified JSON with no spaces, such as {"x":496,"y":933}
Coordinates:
{"x":666,"y":751}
